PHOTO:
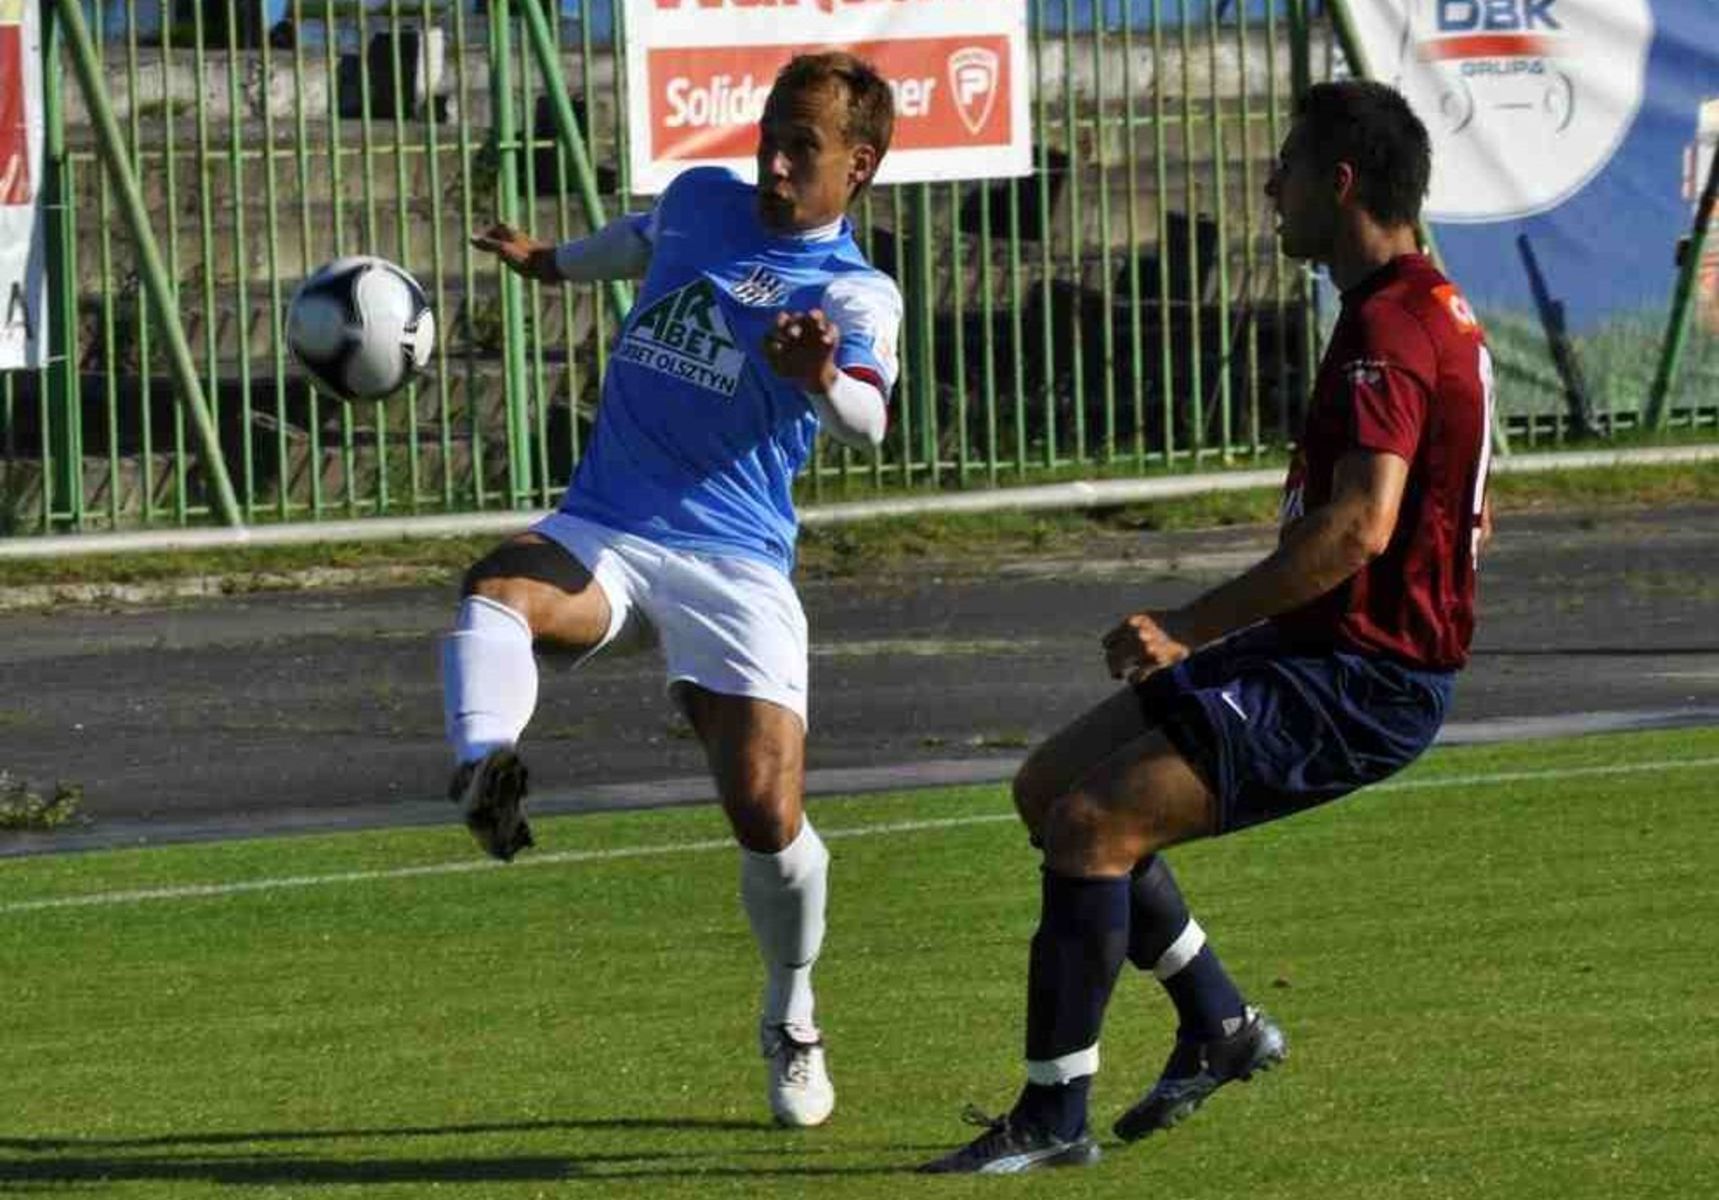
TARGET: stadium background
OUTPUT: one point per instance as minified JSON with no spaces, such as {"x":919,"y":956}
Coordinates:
{"x":1121,"y":312}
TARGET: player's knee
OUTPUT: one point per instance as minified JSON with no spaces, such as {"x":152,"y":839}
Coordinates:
{"x":511,"y":594}
{"x":1073,"y":826}
{"x":763,"y":823}
{"x":488,"y":586}
{"x":1082,"y":836}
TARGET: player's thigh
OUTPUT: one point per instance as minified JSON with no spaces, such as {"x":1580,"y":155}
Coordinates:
{"x":757,"y":754}
{"x":1058,"y":763}
{"x":730,"y":626}
{"x":548,"y":585}
{"x":1142,"y":797}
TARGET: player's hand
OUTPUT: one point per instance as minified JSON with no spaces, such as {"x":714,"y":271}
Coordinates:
{"x":518,"y":250}
{"x":1143,"y":643}
{"x":802,"y":349}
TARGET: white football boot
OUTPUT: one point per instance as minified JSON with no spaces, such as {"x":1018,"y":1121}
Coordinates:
{"x":800,"y":1091}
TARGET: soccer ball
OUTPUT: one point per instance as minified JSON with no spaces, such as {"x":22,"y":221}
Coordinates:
{"x":361,"y":327}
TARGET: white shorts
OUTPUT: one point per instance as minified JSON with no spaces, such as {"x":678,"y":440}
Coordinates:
{"x":725,"y":623}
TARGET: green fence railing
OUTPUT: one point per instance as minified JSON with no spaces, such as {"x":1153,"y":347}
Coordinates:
{"x":1121,"y":310}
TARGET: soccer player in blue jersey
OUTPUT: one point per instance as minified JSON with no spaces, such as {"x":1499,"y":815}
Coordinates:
{"x":759,"y":323}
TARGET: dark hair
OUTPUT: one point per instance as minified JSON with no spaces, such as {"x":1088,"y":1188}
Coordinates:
{"x":871,"y":105}
{"x":1372,"y":128}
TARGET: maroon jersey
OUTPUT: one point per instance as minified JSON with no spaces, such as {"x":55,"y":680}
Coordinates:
{"x":1407,"y":372}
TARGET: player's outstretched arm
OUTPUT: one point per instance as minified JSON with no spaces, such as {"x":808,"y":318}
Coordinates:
{"x":802,"y":350}
{"x":617,"y":251}
{"x":519,"y":251}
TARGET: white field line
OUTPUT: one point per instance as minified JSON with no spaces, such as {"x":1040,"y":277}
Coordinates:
{"x":287,"y":882}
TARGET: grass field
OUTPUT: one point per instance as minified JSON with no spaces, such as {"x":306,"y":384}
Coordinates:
{"x":1498,"y":975}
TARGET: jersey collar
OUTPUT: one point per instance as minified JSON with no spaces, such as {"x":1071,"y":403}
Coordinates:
{"x":823,"y":233}
{"x":1382,"y":275}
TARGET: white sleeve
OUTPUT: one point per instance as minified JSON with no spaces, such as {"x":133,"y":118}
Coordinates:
{"x":619,"y":250}
{"x":852,"y":411}
{"x":866,"y":307}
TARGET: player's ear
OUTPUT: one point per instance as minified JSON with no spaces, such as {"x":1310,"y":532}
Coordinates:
{"x":862,"y":167}
{"x":1343,"y":181}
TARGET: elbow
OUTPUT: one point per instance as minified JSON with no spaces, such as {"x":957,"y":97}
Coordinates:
{"x":867,"y":435}
{"x":852,"y":412}
{"x":1368,"y":538}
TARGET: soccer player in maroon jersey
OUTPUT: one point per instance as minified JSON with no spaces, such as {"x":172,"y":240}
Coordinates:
{"x":1322,"y":669}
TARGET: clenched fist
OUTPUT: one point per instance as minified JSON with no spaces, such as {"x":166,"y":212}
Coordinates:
{"x":802,"y":349}
{"x":1142,"y":644}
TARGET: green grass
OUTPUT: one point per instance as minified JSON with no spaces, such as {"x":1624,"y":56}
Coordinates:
{"x":1497,"y":977}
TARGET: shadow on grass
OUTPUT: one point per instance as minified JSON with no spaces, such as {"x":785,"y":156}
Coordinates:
{"x":49,"y":1145}
{"x":284,"y":1170}
{"x":70,"y":1161}
{"x":242,"y":1170}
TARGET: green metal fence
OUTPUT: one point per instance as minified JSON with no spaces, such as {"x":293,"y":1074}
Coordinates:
{"x":1121,"y":310}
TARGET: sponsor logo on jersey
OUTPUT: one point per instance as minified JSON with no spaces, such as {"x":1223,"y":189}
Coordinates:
{"x":1364,"y":372}
{"x":760,"y":289}
{"x":685,"y":335}
{"x":1455,"y":303}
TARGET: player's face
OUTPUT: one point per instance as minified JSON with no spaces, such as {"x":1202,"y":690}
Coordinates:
{"x":1306,"y":205}
{"x":807,"y":170}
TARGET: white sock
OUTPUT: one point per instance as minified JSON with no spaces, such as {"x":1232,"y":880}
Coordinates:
{"x":784,"y":898}
{"x":489,"y":678}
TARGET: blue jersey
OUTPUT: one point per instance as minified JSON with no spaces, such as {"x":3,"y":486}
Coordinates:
{"x":698,"y":440}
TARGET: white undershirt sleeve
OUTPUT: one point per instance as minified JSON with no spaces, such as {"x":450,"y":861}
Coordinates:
{"x":866,"y":307}
{"x":619,"y":250}
{"x":852,"y":412}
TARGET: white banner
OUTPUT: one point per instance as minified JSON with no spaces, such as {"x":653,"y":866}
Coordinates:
{"x":699,"y":71}
{"x":23,"y":279}
{"x":1526,"y":100}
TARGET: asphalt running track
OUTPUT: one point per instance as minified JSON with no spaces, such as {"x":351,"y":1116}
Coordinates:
{"x":320,"y":710}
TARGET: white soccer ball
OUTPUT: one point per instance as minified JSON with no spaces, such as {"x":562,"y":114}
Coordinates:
{"x":361,"y":327}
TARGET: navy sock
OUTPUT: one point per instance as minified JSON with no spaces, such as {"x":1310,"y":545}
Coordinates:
{"x":1057,"y":1107}
{"x":1077,"y":953}
{"x":1166,"y":940}
{"x":1156,"y":911}
{"x":1206,"y":998}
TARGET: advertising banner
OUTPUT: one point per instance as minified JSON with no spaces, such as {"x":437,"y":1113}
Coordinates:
{"x":1566,"y":140}
{"x":23,"y":279}
{"x":699,"y":72}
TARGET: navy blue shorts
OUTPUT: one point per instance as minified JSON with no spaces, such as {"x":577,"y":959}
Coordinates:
{"x":1276,"y":729}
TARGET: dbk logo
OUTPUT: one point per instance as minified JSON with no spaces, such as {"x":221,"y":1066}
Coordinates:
{"x":973,"y":74}
{"x":1495,"y":16}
